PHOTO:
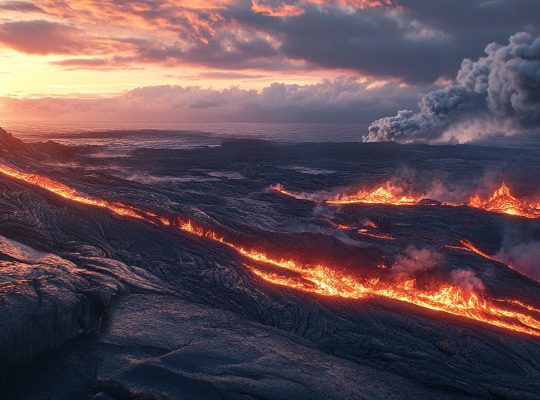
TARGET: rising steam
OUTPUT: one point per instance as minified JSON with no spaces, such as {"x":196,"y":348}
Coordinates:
{"x":500,"y":91}
{"x":523,"y":258}
{"x":416,"y":260}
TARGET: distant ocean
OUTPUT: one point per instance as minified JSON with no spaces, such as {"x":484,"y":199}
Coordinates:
{"x":179,"y":135}
{"x":125,"y":136}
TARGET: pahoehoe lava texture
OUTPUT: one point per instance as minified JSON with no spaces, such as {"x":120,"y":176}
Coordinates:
{"x":99,"y":306}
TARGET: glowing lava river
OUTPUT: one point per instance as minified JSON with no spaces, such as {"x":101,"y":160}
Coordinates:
{"x":502,"y":201}
{"x":324,"y":280}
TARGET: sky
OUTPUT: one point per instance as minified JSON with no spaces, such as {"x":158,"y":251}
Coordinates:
{"x":240,"y":60}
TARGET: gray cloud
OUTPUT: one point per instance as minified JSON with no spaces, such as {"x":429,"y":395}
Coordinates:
{"x":41,"y":37}
{"x":498,"y":91}
{"x":72,"y":64}
{"x":340,"y":100}
{"x":415,"y":42}
{"x":411,"y":40}
{"x":22,"y":6}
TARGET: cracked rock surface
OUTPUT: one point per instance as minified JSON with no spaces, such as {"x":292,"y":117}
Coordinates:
{"x":97,"y":306}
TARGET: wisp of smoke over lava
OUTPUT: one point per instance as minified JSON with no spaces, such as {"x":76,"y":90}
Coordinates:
{"x":500,"y":91}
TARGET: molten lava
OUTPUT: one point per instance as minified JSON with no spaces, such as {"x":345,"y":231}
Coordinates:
{"x":326,"y":280}
{"x":365,"y":232}
{"x":503,"y":201}
{"x":339,"y":226}
{"x":387,"y":194}
{"x":444,"y":297}
{"x":469,"y":246}
{"x":278,"y":187}
{"x":72,"y":194}
{"x":381,"y":195}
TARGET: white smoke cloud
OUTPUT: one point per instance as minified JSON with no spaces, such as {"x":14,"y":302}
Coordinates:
{"x":523,"y":258}
{"x":416,"y":260}
{"x":369,"y":223}
{"x":498,"y":93}
{"x":466,"y":279}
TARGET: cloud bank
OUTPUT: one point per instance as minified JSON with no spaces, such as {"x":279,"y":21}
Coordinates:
{"x":342,"y":99}
{"x":498,"y":91}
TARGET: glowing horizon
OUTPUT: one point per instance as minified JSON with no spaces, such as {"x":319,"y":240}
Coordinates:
{"x":54,"y":48}
{"x":241,"y":60}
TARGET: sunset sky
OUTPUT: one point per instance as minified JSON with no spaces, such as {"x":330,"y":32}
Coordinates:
{"x":252,"y":60}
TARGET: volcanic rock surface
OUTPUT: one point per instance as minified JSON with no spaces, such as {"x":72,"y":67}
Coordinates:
{"x":99,"y":306}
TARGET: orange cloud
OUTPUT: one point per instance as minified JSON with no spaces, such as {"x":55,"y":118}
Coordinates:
{"x":41,"y":37}
{"x":95,"y":27}
{"x":280,"y":10}
{"x":343,"y":99}
{"x":166,"y":20}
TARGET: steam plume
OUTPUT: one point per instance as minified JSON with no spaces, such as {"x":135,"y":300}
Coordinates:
{"x":499,"y":90}
{"x":523,"y":258}
{"x":466,"y":279}
{"x":416,"y":260}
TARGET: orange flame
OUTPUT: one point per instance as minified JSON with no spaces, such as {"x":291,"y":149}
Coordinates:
{"x":326,"y":280}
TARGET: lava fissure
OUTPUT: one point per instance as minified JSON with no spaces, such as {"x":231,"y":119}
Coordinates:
{"x":321,"y":279}
{"x":365,"y":232}
{"x":467,"y":245}
{"x":502,"y":201}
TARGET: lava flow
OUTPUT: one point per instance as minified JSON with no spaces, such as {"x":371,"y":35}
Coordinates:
{"x":467,"y":245}
{"x":381,"y":195}
{"x":365,"y":232}
{"x":72,"y":194}
{"x":278,"y":187}
{"x":502,"y":201}
{"x":339,"y":226}
{"x":326,"y":280}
